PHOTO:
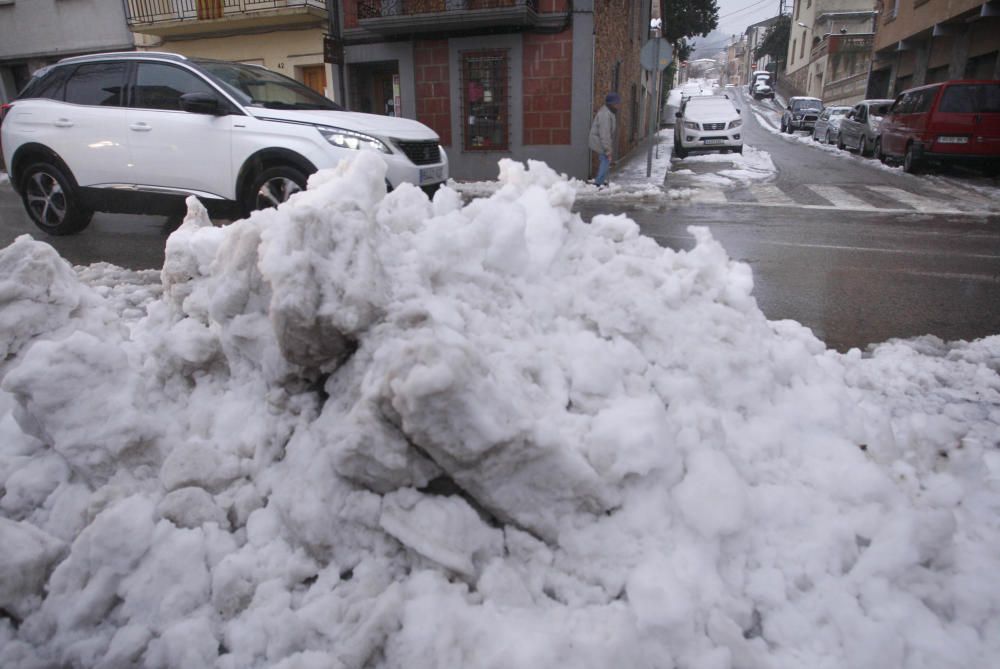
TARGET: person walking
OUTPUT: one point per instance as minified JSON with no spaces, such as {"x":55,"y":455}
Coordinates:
{"x":602,"y":134}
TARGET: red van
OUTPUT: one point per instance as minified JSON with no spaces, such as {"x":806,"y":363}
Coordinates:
{"x":949,"y":122}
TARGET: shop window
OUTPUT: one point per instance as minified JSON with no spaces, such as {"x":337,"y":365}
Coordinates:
{"x":485,"y":98}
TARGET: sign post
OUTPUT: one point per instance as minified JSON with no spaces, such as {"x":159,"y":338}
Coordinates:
{"x":656,"y":55}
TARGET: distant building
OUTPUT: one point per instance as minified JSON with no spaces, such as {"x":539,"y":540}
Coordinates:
{"x":754,"y":37}
{"x":35,"y":33}
{"x":925,"y":41}
{"x":829,"y":49}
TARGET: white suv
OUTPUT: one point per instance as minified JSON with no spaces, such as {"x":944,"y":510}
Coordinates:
{"x":708,"y":123}
{"x":140,"y":131}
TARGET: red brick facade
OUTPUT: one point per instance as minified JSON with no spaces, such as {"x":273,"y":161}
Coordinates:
{"x":430,"y":63}
{"x":548,"y":86}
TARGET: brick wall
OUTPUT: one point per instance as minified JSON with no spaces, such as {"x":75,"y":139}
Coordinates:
{"x":548,"y":86}
{"x":430,"y":64}
{"x":619,"y":31}
{"x":350,"y":13}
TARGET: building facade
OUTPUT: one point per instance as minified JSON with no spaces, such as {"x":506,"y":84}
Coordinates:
{"x":501,"y":78}
{"x":754,"y":37}
{"x":807,"y":67}
{"x":35,"y":33}
{"x":285,"y":36}
{"x":926,"y":41}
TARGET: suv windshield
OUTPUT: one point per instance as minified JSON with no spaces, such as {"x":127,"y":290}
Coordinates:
{"x":255,"y":86}
{"x":971,"y":99}
{"x":800,"y":105}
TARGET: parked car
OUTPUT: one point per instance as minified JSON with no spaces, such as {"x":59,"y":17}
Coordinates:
{"x":140,"y":131}
{"x":801,"y":114}
{"x":860,"y":127}
{"x":708,"y":123}
{"x":762,"y":89}
{"x":955,"y":122}
{"x":757,"y":77}
{"x":828,"y":124}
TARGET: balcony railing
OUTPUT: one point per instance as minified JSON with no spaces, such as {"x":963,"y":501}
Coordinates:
{"x":160,"y":11}
{"x":372,"y":9}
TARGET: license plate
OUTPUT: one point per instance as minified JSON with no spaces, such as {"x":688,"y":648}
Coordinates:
{"x":431,"y":174}
{"x":714,"y":141}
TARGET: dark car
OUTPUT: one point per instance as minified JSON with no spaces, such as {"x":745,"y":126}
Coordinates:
{"x":954,"y":122}
{"x":801,"y":114}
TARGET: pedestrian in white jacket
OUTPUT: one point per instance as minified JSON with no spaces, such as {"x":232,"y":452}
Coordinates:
{"x":602,"y":136}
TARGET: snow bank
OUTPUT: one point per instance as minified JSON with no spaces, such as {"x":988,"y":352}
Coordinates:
{"x":370,"y":430}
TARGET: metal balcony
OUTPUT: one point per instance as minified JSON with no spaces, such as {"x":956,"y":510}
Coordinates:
{"x":167,"y":18}
{"x":415,"y":16}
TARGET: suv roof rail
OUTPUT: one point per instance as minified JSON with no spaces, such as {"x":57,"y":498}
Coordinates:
{"x":124,"y":54}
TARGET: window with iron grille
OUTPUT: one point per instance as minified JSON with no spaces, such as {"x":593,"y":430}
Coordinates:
{"x":485,"y":98}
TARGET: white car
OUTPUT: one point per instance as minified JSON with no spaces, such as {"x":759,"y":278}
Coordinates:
{"x":140,"y":131}
{"x":708,"y":123}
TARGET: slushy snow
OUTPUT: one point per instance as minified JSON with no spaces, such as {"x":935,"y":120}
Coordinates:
{"x":371,"y":430}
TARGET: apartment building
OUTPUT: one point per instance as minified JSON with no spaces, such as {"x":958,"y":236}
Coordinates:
{"x":35,"y":33}
{"x":753,"y":37}
{"x":285,"y":36}
{"x":926,"y":41}
{"x":826,"y":48}
{"x":501,"y":78}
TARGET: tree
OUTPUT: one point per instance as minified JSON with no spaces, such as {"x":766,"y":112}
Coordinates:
{"x":688,"y":18}
{"x":775,"y":42}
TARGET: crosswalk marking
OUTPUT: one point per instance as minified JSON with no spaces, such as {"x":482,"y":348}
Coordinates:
{"x":918,"y":202}
{"x":839,"y":196}
{"x":898,"y":200}
{"x":766,"y":194}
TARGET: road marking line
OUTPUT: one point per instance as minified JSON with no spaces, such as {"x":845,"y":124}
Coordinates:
{"x":839,"y":196}
{"x":771,"y":195}
{"x":709,"y":196}
{"x":918,"y":202}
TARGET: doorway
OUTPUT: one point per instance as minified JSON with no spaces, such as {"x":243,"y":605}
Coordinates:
{"x":375,"y":88}
{"x":314,"y":76}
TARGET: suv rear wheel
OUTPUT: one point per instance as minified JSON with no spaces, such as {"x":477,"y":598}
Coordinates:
{"x":51,"y":200}
{"x":911,"y":165}
{"x":272,"y":187}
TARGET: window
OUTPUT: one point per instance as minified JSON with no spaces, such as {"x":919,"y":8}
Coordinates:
{"x":971,"y":99}
{"x":485,"y":99}
{"x":47,"y":85}
{"x":98,"y":84}
{"x":159,"y":86}
{"x":802,"y":46}
{"x":793,"y":52}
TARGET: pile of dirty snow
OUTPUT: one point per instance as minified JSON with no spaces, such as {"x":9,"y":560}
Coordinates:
{"x":370,"y":430}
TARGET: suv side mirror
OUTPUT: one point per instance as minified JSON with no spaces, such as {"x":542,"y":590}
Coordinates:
{"x":200,"y":103}
{"x":789,"y":107}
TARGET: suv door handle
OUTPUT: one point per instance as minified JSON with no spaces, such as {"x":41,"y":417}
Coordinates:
{"x":140,"y":127}
{"x":63,"y":123}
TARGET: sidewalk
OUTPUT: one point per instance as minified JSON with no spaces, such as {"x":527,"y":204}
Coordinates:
{"x":630,"y":172}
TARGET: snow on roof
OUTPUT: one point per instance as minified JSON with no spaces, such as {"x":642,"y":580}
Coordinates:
{"x":377,"y":430}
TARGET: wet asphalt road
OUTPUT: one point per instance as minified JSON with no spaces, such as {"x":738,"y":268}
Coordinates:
{"x":855,"y":277}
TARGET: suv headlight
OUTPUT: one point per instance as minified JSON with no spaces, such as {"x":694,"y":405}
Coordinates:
{"x":735,"y":124}
{"x":691,"y":125}
{"x":348,"y":139}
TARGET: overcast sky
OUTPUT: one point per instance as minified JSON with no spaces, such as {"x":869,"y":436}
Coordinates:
{"x":736,"y":15}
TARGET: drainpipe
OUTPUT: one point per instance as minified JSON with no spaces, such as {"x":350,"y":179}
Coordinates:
{"x":333,"y":26}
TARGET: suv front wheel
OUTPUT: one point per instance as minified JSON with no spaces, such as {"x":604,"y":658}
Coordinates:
{"x":51,"y":199}
{"x":272,"y":187}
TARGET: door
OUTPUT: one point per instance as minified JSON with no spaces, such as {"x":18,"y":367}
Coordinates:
{"x":174,"y":149}
{"x":314,"y":76}
{"x":88,"y":130}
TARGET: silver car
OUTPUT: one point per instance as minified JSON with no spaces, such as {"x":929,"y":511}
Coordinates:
{"x":828,"y":124}
{"x":859,"y":127}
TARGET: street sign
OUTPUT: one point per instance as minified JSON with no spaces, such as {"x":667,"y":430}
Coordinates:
{"x":656,"y":55}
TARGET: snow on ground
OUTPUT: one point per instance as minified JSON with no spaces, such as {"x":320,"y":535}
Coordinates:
{"x":370,"y":430}
{"x":4,"y":178}
{"x":627,"y":184}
